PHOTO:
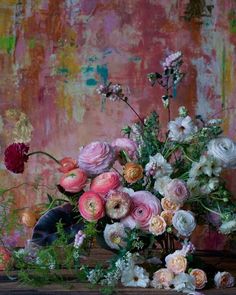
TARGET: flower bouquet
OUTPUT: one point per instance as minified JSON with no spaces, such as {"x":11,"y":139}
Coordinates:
{"x":141,"y":196}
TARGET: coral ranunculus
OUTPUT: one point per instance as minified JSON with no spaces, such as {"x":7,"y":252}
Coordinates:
{"x":91,"y":206}
{"x":4,"y":258}
{"x":16,"y":156}
{"x":96,"y":157}
{"x":144,"y":206}
{"x":133,"y":172}
{"x":74,"y":180}
{"x":67,"y":164}
{"x":105,"y":182}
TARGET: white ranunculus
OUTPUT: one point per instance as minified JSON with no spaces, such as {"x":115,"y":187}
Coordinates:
{"x":135,"y":277}
{"x":184,"y":222}
{"x":114,"y":235}
{"x":223,"y":149}
{"x":181,"y":129}
{"x":184,"y":283}
{"x":161,"y":183}
{"x":158,"y":166}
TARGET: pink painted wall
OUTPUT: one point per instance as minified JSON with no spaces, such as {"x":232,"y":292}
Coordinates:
{"x":53,"y":53}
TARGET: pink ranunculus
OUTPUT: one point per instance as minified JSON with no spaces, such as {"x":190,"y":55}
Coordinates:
{"x":127,"y":145}
{"x":96,"y":157}
{"x":144,"y":206}
{"x":67,"y":164}
{"x":74,"y":180}
{"x":91,"y":206}
{"x":177,"y":191}
{"x":105,"y":182}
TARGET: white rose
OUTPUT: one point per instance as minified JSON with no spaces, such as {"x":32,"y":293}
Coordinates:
{"x":223,"y":149}
{"x":184,"y":222}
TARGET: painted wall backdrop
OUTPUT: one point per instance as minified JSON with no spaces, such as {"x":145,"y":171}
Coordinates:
{"x":53,"y":54}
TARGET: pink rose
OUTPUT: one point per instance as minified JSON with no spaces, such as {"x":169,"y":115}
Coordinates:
{"x":67,"y":164}
{"x":91,"y":206}
{"x":144,"y":206}
{"x":74,"y":180}
{"x":200,"y":277}
{"x":162,"y":279}
{"x":96,"y":157}
{"x":105,"y":182}
{"x":224,"y":280}
{"x":127,"y":145}
{"x":176,"y":262}
{"x":177,"y":191}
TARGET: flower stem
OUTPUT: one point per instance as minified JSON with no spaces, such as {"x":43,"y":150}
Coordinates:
{"x":208,"y":209}
{"x":46,"y":154}
{"x":129,"y":105}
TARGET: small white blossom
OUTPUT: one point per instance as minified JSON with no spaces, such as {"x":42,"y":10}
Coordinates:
{"x":228,"y":227}
{"x":184,"y":283}
{"x":161,"y":183}
{"x":158,"y":166}
{"x":135,"y":277}
{"x":210,"y":186}
{"x":181,"y":129}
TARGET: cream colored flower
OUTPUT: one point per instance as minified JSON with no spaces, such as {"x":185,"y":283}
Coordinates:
{"x":200,"y":278}
{"x":162,"y":279}
{"x":135,"y":277}
{"x":176,"y":263}
{"x":167,"y":215}
{"x":224,"y":280}
{"x":157,"y":225}
{"x":114,"y":235}
{"x":167,"y":204}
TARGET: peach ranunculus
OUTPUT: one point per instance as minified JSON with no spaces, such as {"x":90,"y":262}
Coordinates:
{"x":162,"y":279}
{"x":91,"y":206}
{"x":96,"y":158}
{"x":74,"y":180}
{"x":157,"y":225}
{"x":29,"y":218}
{"x":67,"y":164}
{"x":176,"y":263}
{"x":177,"y":191}
{"x":118,"y":204}
{"x":167,"y":215}
{"x":127,"y":145}
{"x":5,"y":257}
{"x":200,"y":277}
{"x":224,"y":280}
{"x":167,"y":204}
{"x":105,"y":182}
{"x":144,"y":206}
{"x":133,"y":172}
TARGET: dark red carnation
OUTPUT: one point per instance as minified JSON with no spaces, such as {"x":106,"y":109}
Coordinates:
{"x":16,"y":156}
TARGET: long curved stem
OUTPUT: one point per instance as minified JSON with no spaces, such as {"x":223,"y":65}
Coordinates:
{"x":46,"y":154}
{"x":130,"y":106}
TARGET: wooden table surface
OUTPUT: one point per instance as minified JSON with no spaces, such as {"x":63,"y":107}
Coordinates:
{"x":227,"y":263}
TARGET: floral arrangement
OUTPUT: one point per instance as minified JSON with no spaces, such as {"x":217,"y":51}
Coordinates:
{"x":141,"y":196}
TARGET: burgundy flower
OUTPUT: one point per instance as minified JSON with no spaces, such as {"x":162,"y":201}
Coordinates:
{"x":15,"y":156}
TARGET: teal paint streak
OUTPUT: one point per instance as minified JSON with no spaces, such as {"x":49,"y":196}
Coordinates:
{"x":102,"y":71}
{"x":91,"y":82}
{"x":87,"y":69}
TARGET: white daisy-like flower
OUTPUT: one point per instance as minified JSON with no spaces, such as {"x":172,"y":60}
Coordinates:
{"x":184,"y":283}
{"x":193,"y":186}
{"x":158,"y":166}
{"x":135,"y":277}
{"x":228,"y":226}
{"x":212,"y":185}
{"x":114,"y":235}
{"x":206,"y":165}
{"x":161,"y":183}
{"x":181,"y":128}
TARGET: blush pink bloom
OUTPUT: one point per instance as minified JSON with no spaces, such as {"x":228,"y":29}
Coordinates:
{"x":177,"y":191}
{"x":144,"y":206}
{"x":91,"y":206}
{"x":162,"y":279}
{"x":67,"y":164}
{"x":176,"y":263}
{"x":96,"y":158}
{"x":74,"y":180}
{"x":118,"y":204}
{"x":127,"y":145}
{"x":105,"y":182}
{"x":200,"y":277}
